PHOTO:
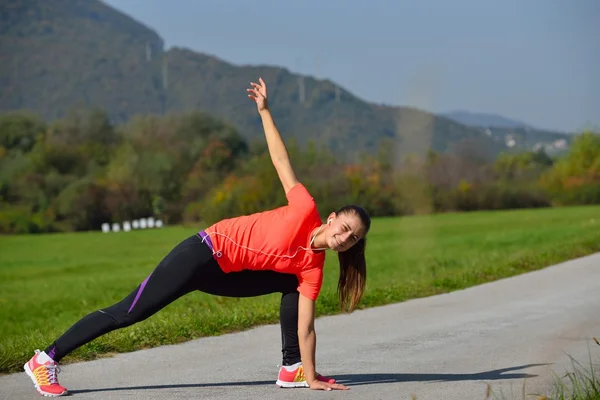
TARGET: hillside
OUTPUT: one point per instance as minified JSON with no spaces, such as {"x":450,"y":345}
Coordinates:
{"x":345,"y":124}
{"x":58,"y":55}
{"x":484,"y":120}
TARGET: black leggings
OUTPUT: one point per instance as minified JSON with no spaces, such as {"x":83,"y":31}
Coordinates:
{"x":189,"y":266}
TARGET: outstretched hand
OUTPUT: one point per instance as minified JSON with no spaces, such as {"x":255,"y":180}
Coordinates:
{"x":258,"y":93}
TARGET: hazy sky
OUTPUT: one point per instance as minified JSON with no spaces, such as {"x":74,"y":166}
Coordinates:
{"x":537,"y":61}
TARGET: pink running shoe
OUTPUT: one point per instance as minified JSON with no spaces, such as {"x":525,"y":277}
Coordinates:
{"x":292,"y":376}
{"x":42,"y":370}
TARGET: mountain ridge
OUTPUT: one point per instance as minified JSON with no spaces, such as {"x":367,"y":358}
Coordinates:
{"x":484,"y":120}
{"x":87,"y":53}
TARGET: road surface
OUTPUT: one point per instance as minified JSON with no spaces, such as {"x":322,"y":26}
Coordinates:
{"x":510,"y":334}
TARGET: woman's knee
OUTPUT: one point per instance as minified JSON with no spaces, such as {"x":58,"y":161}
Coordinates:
{"x":120,"y":315}
{"x":288,"y":284}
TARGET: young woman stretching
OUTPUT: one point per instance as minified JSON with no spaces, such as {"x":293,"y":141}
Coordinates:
{"x":275,"y":251}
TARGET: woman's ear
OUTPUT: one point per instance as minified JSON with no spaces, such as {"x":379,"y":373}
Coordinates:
{"x":330,"y":218}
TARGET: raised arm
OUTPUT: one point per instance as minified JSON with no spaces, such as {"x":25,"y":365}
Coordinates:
{"x":277,"y":150}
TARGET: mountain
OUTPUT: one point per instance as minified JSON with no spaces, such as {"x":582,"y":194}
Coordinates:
{"x":62,"y":54}
{"x":484,"y":120}
{"x":507,"y":131}
{"x":57,"y":55}
{"x":328,"y":114}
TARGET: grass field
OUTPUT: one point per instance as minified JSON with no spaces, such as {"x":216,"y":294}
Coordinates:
{"x":48,"y":282}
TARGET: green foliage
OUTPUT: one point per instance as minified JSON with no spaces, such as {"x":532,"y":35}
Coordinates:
{"x":254,"y":188}
{"x":492,"y":196}
{"x":193,"y":168}
{"x":79,"y":205}
{"x":75,"y":144}
{"x":81,"y":171}
{"x":18,"y":130}
{"x":20,"y":219}
{"x":522,"y":166}
{"x":575,"y":179}
{"x":12,"y":165}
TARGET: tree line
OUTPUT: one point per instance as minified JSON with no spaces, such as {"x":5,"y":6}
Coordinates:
{"x":80,"y":171}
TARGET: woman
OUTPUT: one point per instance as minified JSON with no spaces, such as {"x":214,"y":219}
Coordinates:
{"x":276,"y":251}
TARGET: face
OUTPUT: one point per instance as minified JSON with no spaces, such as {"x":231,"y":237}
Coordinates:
{"x":343,"y":231}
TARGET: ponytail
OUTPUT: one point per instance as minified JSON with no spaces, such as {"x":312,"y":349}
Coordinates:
{"x":353,"y":275}
{"x":353,"y":264}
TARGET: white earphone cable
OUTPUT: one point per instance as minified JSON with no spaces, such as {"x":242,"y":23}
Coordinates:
{"x":218,"y":253}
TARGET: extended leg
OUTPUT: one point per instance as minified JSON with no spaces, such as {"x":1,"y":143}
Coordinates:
{"x":170,"y":280}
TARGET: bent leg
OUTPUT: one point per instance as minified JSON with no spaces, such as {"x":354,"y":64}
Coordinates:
{"x":257,"y":283}
{"x":288,"y":319}
{"x":169,"y":281}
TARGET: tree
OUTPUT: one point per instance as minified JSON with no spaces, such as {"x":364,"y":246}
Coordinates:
{"x":18,"y":130}
{"x":575,"y":179}
{"x":525,"y":166}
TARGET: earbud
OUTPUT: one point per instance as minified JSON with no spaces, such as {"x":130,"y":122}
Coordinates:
{"x":329,"y":221}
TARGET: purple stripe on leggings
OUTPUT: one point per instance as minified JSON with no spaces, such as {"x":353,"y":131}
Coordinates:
{"x":52,"y":353}
{"x":139,"y":293}
{"x":206,"y":239}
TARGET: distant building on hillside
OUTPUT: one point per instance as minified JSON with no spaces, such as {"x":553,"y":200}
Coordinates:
{"x":560,"y":144}
{"x":510,"y":140}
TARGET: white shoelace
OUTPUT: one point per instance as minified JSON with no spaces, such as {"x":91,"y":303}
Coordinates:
{"x":53,"y":370}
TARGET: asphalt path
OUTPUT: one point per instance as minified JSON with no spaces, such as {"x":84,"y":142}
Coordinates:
{"x":515,"y":335}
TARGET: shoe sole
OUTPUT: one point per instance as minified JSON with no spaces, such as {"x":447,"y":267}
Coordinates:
{"x":37,"y":387}
{"x":283,"y":384}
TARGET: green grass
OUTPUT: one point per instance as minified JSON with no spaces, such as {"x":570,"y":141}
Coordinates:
{"x":48,"y":282}
{"x":581,"y":382}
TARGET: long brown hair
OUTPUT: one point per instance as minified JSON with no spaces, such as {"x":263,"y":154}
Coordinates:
{"x":353,"y":264}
